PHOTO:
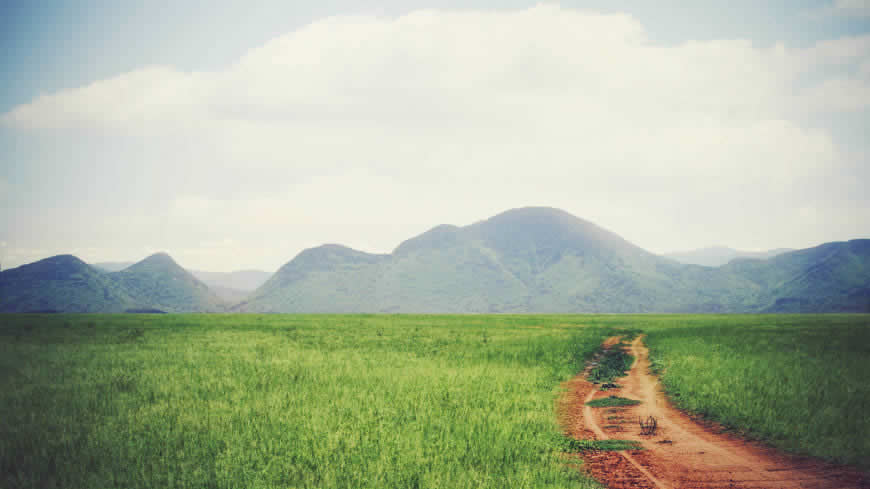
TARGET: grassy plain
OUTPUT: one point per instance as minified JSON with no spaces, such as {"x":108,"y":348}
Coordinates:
{"x":247,"y":401}
{"x":260,"y":401}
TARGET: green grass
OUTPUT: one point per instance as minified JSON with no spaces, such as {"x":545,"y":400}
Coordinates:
{"x":798,"y":382}
{"x":134,"y":401}
{"x":612,"y":401}
{"x":246,"y":401}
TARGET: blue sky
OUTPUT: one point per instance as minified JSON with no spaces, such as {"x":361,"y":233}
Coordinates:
{"x":215,"y":180}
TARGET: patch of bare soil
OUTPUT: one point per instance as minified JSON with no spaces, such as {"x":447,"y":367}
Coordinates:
{"x":682,"y":453}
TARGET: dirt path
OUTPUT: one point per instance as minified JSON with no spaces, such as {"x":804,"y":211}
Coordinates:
{"x":682,"y":453}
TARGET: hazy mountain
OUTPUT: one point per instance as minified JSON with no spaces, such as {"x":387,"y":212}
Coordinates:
{"x":64,"y":283}
{"x":338,"y":279}
{"x":159,"y":282}
{"x":61,"y":283}
{"x":229,"y":296}
{"x":833,"y":277}
{"x":546,"y":260}
{"x":231,"y":287}
{"x":523,"y":260}
{"x":240,"y":279}
{"x":716,"y":256}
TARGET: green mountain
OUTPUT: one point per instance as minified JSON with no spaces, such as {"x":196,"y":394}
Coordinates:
{"x":546,"y":260}
{"x":524,"y":260}
{"x":329,"y":278}
{"x":61,"y":283}
{"x":158,"y":282}
{"x":231,"y":287}
{"x":833,"y":277}
{"x":66,"y":284}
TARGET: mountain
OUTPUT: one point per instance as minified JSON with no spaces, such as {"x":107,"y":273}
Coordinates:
{"x":61,"y":283}
{"x":534,"y":259}
{"x":716,"y":256}
{"x":64,"y":283}
{"x":231,"y":287}
{"x":159,"y":282}
{"x":833,"y":277}
{"x":329,"y":278}
{"x":546,"y":260}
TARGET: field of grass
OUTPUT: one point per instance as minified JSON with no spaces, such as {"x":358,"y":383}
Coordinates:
{"x":798,"y":382}
{"x":260,"y":401}
{"x":248,"y":401}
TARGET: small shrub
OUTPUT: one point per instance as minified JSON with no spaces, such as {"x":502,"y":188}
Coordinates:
{"x":612,"y":401}
{"x":612,"y":364}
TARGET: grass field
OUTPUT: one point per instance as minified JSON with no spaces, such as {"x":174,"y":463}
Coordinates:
{"x":798,"y":382}
{"x":247,"y":401}
{"x":231,"y":401}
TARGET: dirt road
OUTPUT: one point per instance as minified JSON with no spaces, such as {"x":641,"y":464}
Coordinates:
{"x":682,"y":453}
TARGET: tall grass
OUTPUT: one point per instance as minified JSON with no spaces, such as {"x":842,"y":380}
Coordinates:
{"x":271,"y":401}
{"x":798,"y":382}
{"x":281,"y":401}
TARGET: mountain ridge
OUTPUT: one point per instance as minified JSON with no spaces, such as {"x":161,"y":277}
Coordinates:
{"x":65,"y":283}
{"x":533,"y":259}
{"x":232,"y":287}
{"x":524,"y":260}
{"x":61,"y":283}
{"x":159,"y":282}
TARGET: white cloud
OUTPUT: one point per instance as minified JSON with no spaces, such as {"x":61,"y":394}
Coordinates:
{"x":153,"y":94}
{"x":840,"y":94}
{"x":442,"y":67}
{"x":378,"y":128}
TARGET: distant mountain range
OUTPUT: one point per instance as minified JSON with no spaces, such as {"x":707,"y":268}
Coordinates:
{"x":716,"y":256}
{"x":64,"y":283}
{"x":523,"y":260}
{"x":546,"y":260}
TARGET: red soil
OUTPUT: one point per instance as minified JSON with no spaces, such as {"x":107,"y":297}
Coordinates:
{"x":682,"y":453}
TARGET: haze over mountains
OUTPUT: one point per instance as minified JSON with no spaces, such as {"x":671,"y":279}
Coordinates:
{"x":232,"y":286}
{"x":716,"y":256}
{"x":523,"y":260}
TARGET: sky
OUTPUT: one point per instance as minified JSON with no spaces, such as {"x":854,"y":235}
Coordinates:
{"x":233,"y":137}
